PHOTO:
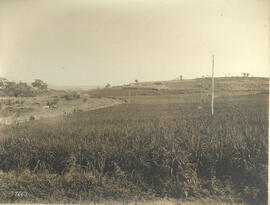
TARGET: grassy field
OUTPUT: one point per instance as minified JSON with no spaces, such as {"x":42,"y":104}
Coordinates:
{"x":141,"y":151}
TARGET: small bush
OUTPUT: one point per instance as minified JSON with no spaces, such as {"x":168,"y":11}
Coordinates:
{"x":32,"y":117}
{"x":52,"y":102}
{"x":71,"y":96}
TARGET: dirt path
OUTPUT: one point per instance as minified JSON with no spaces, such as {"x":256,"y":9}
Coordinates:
{"x":64,"y":108}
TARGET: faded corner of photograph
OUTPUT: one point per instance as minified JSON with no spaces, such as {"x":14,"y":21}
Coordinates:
{"x":158,"y":102}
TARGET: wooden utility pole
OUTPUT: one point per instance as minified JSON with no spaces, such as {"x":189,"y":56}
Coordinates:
{"x":213,"y":83}
{"x":128,"y":95}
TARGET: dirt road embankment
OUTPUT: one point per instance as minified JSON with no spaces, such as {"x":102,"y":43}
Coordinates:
{"x":18,"y":110}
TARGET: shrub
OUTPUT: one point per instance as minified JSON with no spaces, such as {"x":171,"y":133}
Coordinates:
{"x":52,"y":102}
{"x":32,"y":117}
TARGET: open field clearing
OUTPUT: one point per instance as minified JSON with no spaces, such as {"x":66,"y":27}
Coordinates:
{"x":142,"y":151}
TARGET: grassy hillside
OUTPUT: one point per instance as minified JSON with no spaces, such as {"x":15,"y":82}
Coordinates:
{"x":223,"y":86}
{"x":223,"y":83}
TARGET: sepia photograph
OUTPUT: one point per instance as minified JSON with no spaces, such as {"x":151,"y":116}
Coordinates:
{"x":132,"y":102}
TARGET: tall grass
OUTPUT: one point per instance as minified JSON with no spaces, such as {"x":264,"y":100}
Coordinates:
{"x":133,"y":152}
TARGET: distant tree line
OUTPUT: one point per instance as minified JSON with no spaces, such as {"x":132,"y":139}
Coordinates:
{"x":21,"y":89}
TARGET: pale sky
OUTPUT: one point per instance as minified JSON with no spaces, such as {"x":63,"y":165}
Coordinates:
{"x":94,"y":42}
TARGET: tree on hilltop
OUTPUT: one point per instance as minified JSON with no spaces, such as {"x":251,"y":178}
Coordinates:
{"x":245,"y":74}
{"x":40,"y":84}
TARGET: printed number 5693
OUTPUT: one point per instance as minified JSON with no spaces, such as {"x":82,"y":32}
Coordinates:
{"x":20,"y":194}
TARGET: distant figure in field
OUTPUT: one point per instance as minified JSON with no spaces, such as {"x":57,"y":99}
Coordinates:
{"x":245,"y":74}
